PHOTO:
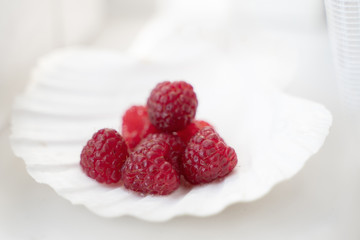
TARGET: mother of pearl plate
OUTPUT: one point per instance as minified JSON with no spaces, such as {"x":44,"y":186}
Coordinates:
{"x":75,"y":92}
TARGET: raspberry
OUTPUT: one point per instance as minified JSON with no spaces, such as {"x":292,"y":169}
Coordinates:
{"x":146,"y":171}
{"x":136,"y":125}
{"x":104,"y":155}
{"x":191,"y":130}
{"x":172,"y":106}
{"x":207,"y":157}
{"x":175,"y":147}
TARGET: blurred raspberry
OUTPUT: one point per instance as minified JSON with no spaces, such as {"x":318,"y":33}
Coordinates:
{"x":172,"y":105}
{"x":136,"y":125}
{"x":207,"y":157}
{"x":192,"y":129}
{"x":104,"y":155}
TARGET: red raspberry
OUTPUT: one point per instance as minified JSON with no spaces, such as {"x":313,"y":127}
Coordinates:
{"x":104,"y":155}
{"x":146,"y":171}
{"x":175,"y":148}
{"x":136,"y":125}
{"x":172,"y":106}
{"x":192,"y":129}
{"x":207,"y":157}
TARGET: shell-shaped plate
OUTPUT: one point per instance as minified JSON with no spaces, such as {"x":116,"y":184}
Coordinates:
{"x":75,"y":92}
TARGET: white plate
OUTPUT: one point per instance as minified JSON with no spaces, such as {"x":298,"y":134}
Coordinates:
{"x":75,"y":92}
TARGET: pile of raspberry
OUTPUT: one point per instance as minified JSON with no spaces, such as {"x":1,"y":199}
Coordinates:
{"x":160,"y":147}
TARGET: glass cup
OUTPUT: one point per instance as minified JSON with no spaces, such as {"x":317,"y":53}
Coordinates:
{"x":343,"y":18}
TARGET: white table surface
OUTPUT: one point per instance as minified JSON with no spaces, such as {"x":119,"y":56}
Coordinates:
{"x":321,"y":202}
